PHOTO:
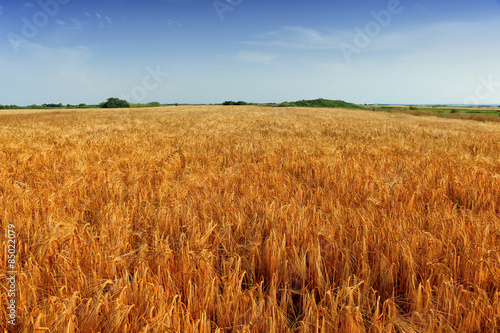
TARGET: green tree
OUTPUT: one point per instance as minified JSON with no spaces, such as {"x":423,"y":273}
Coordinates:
{"x":113,"y":103}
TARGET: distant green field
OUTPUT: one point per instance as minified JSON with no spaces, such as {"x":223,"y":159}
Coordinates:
{"x":468,"y":113}
{"x":439,"y":110}
{"x":479,"y":114}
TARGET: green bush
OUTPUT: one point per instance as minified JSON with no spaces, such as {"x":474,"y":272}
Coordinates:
{"x":148,"y":105}
{"x":236,"y":103}
{"x":52,"y":105}
{"x":320,"y":103}
{"x":114,"y":103}
{"x":10,"y":107}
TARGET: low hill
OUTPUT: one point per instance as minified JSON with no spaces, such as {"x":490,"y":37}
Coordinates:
{"x":320,"y":103}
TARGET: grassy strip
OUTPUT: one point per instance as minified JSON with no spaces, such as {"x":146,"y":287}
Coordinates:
{"x":455,"y":113}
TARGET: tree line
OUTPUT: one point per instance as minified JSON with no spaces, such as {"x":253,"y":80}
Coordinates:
{"x":110,"y":103}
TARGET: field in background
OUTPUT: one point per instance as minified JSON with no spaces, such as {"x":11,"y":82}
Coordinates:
{"x":251,"y":219}
{"x":491,"y":114}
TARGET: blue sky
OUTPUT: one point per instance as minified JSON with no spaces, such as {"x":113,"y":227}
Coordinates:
{"x":193,"y":51}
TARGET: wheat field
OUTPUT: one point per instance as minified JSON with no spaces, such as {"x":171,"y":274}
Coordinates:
{"x":250,"y":219}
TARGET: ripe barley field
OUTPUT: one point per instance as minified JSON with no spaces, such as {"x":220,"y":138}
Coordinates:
{"x":250,"y":219}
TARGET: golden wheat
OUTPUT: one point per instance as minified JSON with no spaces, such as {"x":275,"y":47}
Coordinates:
{"x":251,"y":219}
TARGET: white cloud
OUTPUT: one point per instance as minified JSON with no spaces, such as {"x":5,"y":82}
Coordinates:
{"x":104,"y":20}
{"x":77,"y":24}
{"x":74,"y":24}
{"x":256,"y":57}
{"x":173,"y":22}
{"x":298,"y":37}
{"x":110,"y":22}
{"x":442,"y":35}
{"x":439,"y":35}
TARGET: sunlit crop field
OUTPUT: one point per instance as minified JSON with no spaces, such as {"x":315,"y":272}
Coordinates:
{"x":250,"y":219}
